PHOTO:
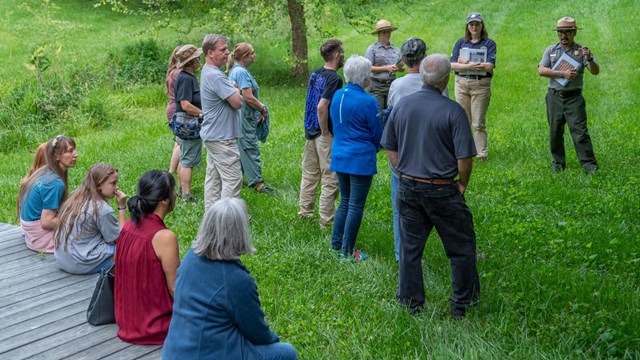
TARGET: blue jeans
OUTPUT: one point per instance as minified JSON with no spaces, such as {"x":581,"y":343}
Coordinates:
{"x":277,"y":351}
{"x":353,"y":196}
{"x":395,"y":183}
{"x":422,"y":207}
{"x":106,"y":263}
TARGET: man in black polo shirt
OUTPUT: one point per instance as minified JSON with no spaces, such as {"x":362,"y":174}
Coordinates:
{"x":429,"y":142}
{"x":565,"y":103}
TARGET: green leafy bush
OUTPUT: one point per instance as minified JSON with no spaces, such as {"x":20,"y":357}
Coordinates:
{"x":141,"y":62}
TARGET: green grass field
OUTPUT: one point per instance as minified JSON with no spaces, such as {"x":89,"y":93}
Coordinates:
{"x":561,"y":272}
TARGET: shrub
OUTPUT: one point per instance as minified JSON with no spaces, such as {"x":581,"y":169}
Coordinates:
{"x":141,"y":62}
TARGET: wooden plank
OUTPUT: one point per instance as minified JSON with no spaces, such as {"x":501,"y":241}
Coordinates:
{"x":101,"y":350}
{"x":36,"y":268}
{"x":38,"y":322}
{"x":14,"y":297}
{"x":43,"y":310}
{"x":87,"y":341}
{"x":154,"y":355}
{"x":10,"y":249}
{"x":11,"y":239}
{"x":50,"y":342}
{"x":28,"y":280}
{"x":132,"y":352}
{"x":20,"y":337}
{"x":12,"y":254}
{"x":41,"y":301}
{"x":34,"y":259}
{"x":4,"y":227}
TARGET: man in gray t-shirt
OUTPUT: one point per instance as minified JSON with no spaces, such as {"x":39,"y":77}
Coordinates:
{"x":428,"y":142}
{"x":221,"y":103}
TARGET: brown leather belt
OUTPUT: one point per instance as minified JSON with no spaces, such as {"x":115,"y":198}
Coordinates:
{"x":429,"y":181}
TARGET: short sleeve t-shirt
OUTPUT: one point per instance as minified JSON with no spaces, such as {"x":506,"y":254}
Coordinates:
{"x":243,"y":78}
{"x":221,"y":120}
{"x":88,"y":242}
{"x":187,"y":88}
{"x":323,"y":83}
{"x":45,"y":194}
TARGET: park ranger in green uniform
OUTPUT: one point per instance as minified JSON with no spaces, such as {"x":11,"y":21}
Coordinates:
{"x":564,"y":64}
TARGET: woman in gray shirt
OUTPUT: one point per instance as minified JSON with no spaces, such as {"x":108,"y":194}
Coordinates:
{"x":87,"y":229}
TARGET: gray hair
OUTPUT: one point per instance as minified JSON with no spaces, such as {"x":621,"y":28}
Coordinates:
{"x":209,"y":42}
{"x":224,"y":231}
{"x":435,"y":69}
{"x":357,"y":70}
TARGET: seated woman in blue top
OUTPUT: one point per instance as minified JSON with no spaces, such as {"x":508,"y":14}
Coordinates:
{"x":40,"y":197}
{"x":85,"y":238}
{"x":216,"y":309}
{"x":357,"y":132}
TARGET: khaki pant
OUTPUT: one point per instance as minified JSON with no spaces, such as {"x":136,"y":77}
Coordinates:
{"x":315,"y":167}
{"x":224,"y":173}
{"x":474,"y":96}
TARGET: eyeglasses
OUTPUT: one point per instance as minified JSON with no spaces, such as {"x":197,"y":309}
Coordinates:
{"x":474,"y":23}
{"x":565,"y":32}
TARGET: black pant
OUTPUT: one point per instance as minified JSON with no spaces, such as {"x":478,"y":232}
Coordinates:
{"x":421,"y":207}
{"x":572,"y":111}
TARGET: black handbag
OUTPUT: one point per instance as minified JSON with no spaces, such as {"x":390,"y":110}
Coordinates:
{"x":101,"y":311}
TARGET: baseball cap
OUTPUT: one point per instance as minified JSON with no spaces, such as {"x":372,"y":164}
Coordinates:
{"x":474,"y":16}
{"x":413,"y":48}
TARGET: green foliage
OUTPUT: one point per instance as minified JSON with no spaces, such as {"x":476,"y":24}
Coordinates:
{"x":141,"y":62}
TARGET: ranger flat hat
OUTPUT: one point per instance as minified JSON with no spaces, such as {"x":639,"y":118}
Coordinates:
{"x":383,"y":25}
{"x":186,"y":53}
{"x":566,"y":23}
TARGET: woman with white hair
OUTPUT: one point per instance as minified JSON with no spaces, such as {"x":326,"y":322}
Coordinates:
{"x":357,"y":132}
{"x":217,"y":312}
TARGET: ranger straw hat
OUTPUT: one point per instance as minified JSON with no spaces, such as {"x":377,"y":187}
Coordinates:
{"x":566,"y":23}
{"x":383,"y":25}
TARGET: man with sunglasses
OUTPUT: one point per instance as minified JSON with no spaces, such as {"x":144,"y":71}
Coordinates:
{"x":565,"y":103}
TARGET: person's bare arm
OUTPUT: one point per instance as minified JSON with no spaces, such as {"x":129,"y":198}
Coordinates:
{"x":189,"y":108}
{"x":464,"y":172}
{"x":49,"y":219}
{"x":393,"y":158}
{"x":165,"y":245}
{"x":235,"y":100}
{"x":253,"y":102}
{"x":323,"y":116}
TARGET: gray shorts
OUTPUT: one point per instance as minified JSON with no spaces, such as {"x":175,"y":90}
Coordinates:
{"x":190,"y":152}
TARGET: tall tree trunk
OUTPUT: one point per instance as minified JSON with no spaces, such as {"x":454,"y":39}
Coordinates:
{"x":298,"y":38}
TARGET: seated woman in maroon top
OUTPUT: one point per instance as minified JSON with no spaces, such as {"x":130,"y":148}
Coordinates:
{"x":146,"y":262}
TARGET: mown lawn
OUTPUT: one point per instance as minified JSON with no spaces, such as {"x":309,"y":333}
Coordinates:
{"x":560,"y":273}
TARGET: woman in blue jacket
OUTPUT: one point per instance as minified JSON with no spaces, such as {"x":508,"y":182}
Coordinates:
{"x":357,"y":132}
{"x":216,"y":309}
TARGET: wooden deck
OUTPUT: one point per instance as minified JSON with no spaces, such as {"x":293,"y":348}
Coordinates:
{"x":43,"y":310}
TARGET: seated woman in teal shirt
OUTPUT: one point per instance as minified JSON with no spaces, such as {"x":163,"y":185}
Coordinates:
{"x":40,"y":197}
